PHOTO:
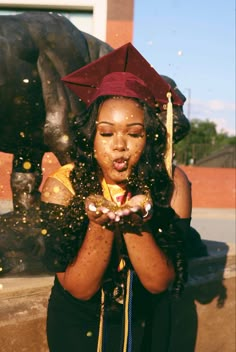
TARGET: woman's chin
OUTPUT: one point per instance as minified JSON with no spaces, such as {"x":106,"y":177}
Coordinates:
{"x":118,"y":177}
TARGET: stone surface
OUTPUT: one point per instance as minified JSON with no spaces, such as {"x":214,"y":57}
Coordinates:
{"x":23,"y":304}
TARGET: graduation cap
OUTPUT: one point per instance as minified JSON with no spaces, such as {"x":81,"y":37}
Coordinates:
{"x":125,"y":72}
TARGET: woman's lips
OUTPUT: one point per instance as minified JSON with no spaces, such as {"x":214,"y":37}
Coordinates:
{"x":120,"y":164}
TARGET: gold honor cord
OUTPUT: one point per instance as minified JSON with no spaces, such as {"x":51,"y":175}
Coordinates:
{"x":169,"y":129}
{"x":101,"y":323}
{"x":127,"y":315}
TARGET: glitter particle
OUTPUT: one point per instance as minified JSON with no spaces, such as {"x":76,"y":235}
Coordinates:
{"x":46,"y":194}
{"x":27,"y":165}
{"x":65,"y":138}
{"x":56,"y":189}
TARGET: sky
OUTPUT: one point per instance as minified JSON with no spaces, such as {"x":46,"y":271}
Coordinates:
{"x":193,"y":42}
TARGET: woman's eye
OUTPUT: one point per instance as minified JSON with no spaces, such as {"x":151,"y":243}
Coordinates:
{"x":106,"y":134}
{"x":136,"y":134}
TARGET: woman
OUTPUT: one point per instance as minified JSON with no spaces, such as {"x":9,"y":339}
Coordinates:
{"x":112,"y":225}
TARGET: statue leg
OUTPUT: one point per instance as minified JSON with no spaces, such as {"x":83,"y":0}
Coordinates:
{"x":20,"y":235}
{"x":26,"y":178}
{"x":57,"y":133}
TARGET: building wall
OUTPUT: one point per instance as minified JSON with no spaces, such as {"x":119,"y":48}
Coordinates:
{"x":112,"y":20}
{"x":98,"y":8}
{"x":212,"y":187}
{"x":222,"y":158}
{"x":120,"y":15}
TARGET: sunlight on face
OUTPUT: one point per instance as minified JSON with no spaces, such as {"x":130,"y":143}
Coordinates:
{"x":120,"y":138}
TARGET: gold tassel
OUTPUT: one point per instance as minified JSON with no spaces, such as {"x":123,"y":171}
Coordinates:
{"x":101,"y":323}
{"x":169,"y":129}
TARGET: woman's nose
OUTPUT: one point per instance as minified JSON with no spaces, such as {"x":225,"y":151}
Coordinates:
{"x":120,"y":142}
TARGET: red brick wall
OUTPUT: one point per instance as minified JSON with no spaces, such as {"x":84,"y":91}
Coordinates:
{"x":211,"y":187}
{"x":50,"y":163}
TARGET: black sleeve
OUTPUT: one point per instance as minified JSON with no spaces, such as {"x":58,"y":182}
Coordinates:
{"x":171,"y":235}
{"x":61,"y":242}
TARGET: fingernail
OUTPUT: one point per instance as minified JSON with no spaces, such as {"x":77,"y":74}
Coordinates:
{"x":119,"y":212}
{"x":126,"y":211}
{"x":92,"y":207}
{"x":147,"y":207}
{"x":117,"y":218}
{"x":111,"y":215}
{"x":134,"y":209}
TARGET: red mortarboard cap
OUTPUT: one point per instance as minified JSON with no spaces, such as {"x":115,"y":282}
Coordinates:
{"x":123,"y":72}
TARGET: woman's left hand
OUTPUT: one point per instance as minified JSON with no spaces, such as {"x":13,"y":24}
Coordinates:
{"x":135,"y":212}
{"x":141,"y":205}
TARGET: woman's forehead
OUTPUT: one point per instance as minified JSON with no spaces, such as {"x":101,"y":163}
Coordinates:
{"x":120,"y":103}
{"x":120,"y":109}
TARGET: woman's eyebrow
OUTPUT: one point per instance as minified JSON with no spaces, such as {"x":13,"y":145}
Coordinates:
{"x":135,"y":124}
{"x":105,"y":122}
{"x":128,"y":125}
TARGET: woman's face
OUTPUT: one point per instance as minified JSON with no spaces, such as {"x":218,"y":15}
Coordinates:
{"x":120,"y":138}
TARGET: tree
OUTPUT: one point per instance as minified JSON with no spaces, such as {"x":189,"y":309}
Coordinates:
{"x":201,"y":141}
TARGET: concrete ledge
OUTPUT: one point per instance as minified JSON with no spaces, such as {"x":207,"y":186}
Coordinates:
{"x":23,"y":305}
{"x":203,"y":319}
{"x":219,"y":265}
